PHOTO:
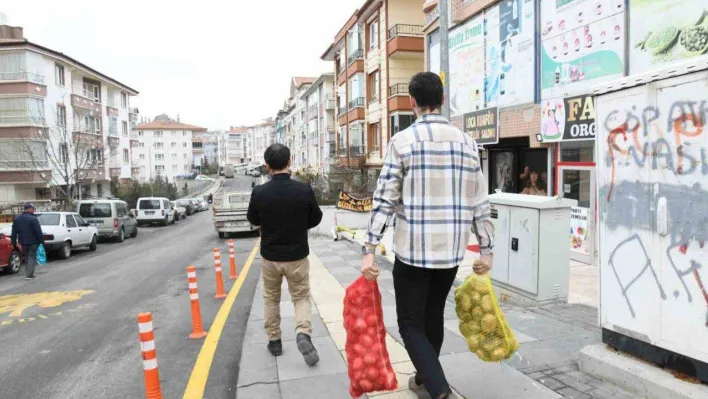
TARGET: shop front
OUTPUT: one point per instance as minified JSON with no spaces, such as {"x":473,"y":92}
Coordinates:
{"x":570,"y":123}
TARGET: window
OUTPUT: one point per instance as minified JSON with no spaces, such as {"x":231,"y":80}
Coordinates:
{"x":184,"y":145}
{"x":185,"y":156}
{"x":59,"y":75}
{"x":142,"y":156}
{"x":43,"y":193}
{"x":121,"y":210}
{"x":374,"y":86}
{"x":157,"y":134}
{"x":374,"y":35}
{"x":174,"y":156}
{"x":26,"y":110}
{"x":174,"y":168}
{"x":141,"y":145}
{"x":123,"y":100}
{"x":70,"y":222}
{"x":159,"y":145}
{"x":184,"y":134}
{"x":97,"y":210}
{"x":126,"y":156}
{"x":92,"y":91}
{"x":140,"y":134}
{"x":174,"y":144}
{"x":356,"y":88}
{"x":173,"y":133}
{"x":61,"y":115}
{"x":401,"y":122}
{"x":577,"y":151}
{"x":159,"y":157}
{"x":99,"y":189}
{"x":159,"y":168}
{"x":63,"y":154}
{"x":124,"y":128}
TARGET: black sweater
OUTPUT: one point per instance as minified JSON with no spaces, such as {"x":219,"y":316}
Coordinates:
{"x":285,"y":209}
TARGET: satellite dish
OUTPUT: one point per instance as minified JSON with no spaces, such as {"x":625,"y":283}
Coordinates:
{"x":3,"y":19}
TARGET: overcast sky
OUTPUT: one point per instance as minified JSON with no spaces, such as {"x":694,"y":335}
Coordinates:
{"x":216,"y":63}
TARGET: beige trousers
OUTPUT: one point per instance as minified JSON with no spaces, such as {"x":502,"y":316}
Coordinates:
{"x":298,"y":276}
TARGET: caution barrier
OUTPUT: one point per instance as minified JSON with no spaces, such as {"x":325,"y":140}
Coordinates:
{"x":219,"y":279}
{"x":147,"y":346}
{"x":197,"y":329}
{"x":233,"y":275}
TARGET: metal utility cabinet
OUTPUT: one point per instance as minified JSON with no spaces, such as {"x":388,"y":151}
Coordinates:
{"x":531,"y":252}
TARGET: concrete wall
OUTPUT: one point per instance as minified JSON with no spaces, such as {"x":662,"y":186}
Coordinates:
{"x":352,"y":220}
{"x":403,"y":69}
{"x":409,"y":12}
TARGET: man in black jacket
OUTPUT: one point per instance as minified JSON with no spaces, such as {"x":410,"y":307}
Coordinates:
{"x":285,"y":209}
{"x":28,"y":232}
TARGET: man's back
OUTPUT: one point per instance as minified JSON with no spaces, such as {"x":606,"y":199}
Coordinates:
{"x":285,"y":209}
{"x":26,"y":229}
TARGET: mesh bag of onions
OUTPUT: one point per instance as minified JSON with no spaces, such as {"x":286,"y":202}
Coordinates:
{"x":367,"y":358}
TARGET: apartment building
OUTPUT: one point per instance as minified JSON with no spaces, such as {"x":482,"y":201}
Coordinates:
{"x":261,"y":136}
{"x":295,"y":121}
{"x":63,"y":124}
{"x":375,"y":54}
{"x":165,"y":148}
{"x":234,"y":148}
{"x":320,"y":140}
{"x":205,"y":146}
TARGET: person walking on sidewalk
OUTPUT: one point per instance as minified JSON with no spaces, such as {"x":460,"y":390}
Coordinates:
{"x":432,"y":183}
{"x":285,"y":210}
{"x":28,"y":232}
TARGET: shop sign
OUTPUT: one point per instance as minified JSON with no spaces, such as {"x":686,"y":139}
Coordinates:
{"x":350,"y":203}
{"x":665,"y":31}
{"x":582,"y":44}
{"x":466,"y":43}
{"x":571,"y":118}
{"x":482,"y":126}
{"x":579,"y":237}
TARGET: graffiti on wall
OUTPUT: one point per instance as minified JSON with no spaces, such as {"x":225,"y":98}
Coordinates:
{"x":655,"y":154}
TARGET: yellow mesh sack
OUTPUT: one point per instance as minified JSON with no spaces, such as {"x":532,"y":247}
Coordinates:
{"x":482,"y":322}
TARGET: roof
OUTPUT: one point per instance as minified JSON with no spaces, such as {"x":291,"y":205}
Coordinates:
{"x":317,"y":83}
{"x":68,"y":60}
{"x":301,"y":80}
{"x":240,"y":129}
{"x":169,"y":125}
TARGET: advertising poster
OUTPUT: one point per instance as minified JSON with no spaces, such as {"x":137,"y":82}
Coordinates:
{"x":434,"y":52}
{"x":509,"y":62}
{"x":664,"y":31}
{"x":579,"y":240}
{"x":482,"y":125}
{"x":582,"y":44}
{"x":571,"y":118}
{"x":350,"y":203}
{"x":466,"y":44}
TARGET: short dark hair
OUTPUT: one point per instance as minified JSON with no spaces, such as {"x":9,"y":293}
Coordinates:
{"x":277,"y":156}
{"x":427,"y":89}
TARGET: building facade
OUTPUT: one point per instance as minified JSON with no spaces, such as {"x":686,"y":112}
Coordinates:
{"x":165,"y":148}
{"x":65,"y":128}
{"x":295,"y":121}
{"x":234,"y":148}
{"x":261,"y":136}
{"x":320,"y":139}
{"x":205,"y":148}
{"x":375,"y":54}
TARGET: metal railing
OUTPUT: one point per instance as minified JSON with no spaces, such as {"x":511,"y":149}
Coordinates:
{"x":357,"y":102}
{"x":399,"y":89}
{"x":341,"y":111}
{"x":405,"y":30}
{"x":24,"y":164}
{"x":356,"y":150}
{"x":24,"y":120}
{"x":374,"y":98}
{"x":342,"y":152}
{"x":32,"y":77}
{"x":357,"y":55}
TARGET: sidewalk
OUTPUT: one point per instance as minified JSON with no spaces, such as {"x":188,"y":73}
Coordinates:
{"x":544,"y":367}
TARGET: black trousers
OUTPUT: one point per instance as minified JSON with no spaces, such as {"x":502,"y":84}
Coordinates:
{"x":420,"y":307}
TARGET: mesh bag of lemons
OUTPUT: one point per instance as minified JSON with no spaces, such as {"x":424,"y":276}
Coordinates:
{"x":482,"y":322}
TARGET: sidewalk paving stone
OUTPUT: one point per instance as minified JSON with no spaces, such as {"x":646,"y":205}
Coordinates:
{"x":259,"y":391}
{"x":320,"y":387}
{"x":292,"y":366}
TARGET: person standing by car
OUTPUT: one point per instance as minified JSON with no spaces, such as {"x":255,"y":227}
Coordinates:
{"x":285,"y":210}
{"x":432,"y":183}
{"x":28,"y":232}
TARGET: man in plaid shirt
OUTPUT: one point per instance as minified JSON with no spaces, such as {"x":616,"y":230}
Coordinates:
{"x":432,"y":183}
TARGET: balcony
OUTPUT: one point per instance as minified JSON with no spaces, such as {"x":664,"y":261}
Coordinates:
{"x":405,"y":39}
{"x":21,"y":76}
{"x":112,"y":111}
{"x":398,"y":98}
{"x":312,"y":111}
{"x":135,"y":171}
{"x":113,"y":131}
{"x":133,"y":114}
{"x":342,"y":152}
{"x":357,"y":150}
{"x":356,"y":55}
{"x":37,"y":164}
{"x":114,"y":171}
{"x":374,"y":98}
{"x":341,"y":111}
{"x":81,"y":102}
{"x":329,"y":103}
{"x":332,"y":148}
{"x":88,"y":91}
{"x":24,"y":120}
{"x":357,"y":102}
{"x":113,"y":141}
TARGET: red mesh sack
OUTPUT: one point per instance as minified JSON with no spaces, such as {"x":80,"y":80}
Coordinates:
{"x":367,"y":358}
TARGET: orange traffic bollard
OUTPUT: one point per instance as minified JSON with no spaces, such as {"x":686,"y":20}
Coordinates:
{"x":197,"y":329}
{"x":147,"y":346}
{"x":219,"y":280}
{"x":232,"y":261}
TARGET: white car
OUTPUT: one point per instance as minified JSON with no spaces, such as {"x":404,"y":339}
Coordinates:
{"x":202,"y":177}
{"x":155,"y":210}
{"x":66,"y":231}
{"x":180,"y":211}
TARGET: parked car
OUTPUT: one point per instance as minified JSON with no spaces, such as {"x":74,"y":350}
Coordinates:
{"x":187,"y":204}
{"x":203,"y":205}
{"x":10,"y":258}
{"x":180,"y":211}
{"x":155,"y":210}
{"x":112,"y":218}
{"x":65,"y":232}
{"x":195,"y":204}
{"x":202,"y":177}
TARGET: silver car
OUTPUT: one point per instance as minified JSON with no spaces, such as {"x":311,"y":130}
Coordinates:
{"x":112,"y":218}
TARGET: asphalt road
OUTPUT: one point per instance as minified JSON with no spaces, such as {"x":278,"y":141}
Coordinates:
{"x":85,"y":344}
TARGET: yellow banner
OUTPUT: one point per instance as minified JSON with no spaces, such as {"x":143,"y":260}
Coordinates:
{"x":350,"y":203}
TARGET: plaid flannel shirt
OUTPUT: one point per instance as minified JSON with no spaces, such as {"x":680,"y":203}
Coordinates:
{"x":432,"y":183}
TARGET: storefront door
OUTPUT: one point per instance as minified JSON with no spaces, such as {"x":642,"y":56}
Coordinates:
{"x":578,"y":183}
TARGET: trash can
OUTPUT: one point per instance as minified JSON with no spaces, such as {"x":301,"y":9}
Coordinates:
{"x":531,"y":251}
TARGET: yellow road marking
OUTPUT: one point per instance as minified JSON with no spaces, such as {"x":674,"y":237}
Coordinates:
{"x":16,"y":304}
{"x":200,"y":373}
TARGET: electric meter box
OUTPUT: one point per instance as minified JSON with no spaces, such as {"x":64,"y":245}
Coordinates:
{"x":531,"y":250}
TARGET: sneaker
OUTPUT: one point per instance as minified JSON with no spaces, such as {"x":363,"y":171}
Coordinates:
{"x":275,"y":347}
{"x":418,"y":389}
{"x":304,"y":344}
{"x":31,"y":278}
